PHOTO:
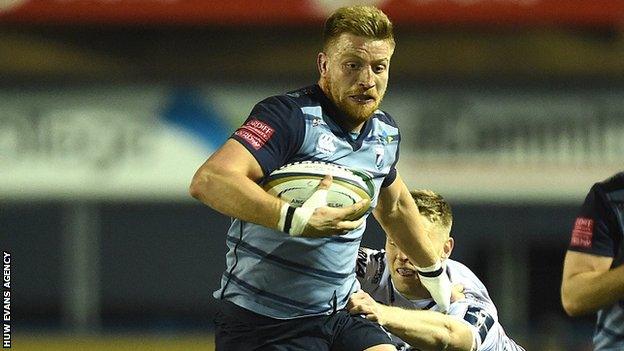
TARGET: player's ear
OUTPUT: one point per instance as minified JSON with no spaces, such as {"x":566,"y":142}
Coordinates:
{"x":321,"y":63}
{"x":449,"y":244}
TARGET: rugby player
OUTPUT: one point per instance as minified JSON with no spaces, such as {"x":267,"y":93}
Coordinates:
{"x":290,"y":271}
{"x":593,"y":270}
{"x":393,"y":295}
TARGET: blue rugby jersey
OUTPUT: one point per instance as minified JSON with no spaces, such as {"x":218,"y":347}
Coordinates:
{"x":599,"y":230}
{"x":271,"y":273}
{"x":477,"y":310}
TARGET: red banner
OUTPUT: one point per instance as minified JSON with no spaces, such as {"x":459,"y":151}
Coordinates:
{"x":293,"y":12}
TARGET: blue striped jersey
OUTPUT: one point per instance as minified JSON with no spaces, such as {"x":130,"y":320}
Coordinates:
{"x":599,"y":230}
{"x":271,"y":273}
{"x":477,"y":310}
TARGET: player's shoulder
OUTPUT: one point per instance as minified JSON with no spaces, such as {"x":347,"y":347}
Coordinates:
{"x":460,"y":272}
{"x":602,"y":194}
{"x":385,"y":117}
{"x":294,"y":99}
{"x":474,"y":289}
{"x":285,"y":106}
{"x":306,"y":96}
{"x":279,"y":102}
{"x":613,"y":183}
{"x":478,"y":309}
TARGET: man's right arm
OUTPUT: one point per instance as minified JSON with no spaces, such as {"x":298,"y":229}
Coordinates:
{"x":227,"y":183}
{"x":589,"y":284}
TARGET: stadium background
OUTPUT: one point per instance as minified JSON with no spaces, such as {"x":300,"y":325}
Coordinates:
{"x":509,"y":108}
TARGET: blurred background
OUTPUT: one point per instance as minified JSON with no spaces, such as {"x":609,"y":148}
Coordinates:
{"x":511,"y":109}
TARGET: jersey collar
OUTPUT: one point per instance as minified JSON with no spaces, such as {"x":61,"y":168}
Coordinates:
{"x":331,"y":114}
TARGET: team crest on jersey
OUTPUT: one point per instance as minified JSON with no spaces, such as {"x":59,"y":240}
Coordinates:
{"x":316,"y":122}
{"x":379,"y":157}
{"x":326,"y":144}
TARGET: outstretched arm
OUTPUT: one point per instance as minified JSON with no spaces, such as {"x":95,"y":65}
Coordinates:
{"x":589,"y":284}
{"x":425,"y":330}
{"x":398,"y":215}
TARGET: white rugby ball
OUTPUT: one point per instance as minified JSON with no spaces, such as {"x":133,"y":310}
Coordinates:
{"x":296,"y":182}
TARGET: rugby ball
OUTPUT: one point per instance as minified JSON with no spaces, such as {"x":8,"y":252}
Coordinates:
{"x":296,"y":182}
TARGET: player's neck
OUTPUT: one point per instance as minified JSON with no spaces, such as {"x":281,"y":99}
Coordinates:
{"x":415,"y":292}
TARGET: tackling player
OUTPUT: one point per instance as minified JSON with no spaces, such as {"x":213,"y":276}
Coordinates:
{"x":393,"y":295}
{"x":290,"y":271}
{"x":593,"y":270}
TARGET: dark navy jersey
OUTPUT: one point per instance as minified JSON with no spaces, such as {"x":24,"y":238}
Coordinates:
{"x":599,"y":230}
{"x":302,"y":126}
{"x":270,"y":272}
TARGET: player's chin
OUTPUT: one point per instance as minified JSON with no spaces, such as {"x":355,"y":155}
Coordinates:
{"x":362,"y":113}
{"x":405,"y":276}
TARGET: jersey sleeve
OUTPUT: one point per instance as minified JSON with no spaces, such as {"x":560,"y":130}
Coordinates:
{"x":478,"y":317}
{"x":369,"y":268}
{"x":593,"y":227}
{"x":391,"y":177}
{"x":392,"y":174}
{"x":273,"y":132}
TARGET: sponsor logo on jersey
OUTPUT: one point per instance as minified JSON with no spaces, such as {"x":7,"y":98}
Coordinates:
{"x":582,"y":233}
{"x":256,"y":133}
{"x":326,"y":144}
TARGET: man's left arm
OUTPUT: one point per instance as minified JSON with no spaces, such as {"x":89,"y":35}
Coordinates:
{"x":398,"y":215}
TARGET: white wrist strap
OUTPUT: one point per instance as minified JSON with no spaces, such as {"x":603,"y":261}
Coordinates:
{"x":433,"y":268}
{"x":437,"y":283}
{"x":282,"y":219}
{"x":300,"y":219}
{"x":293,"y":220}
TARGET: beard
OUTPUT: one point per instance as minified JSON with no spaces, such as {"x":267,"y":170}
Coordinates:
{"x":357,"y":113}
